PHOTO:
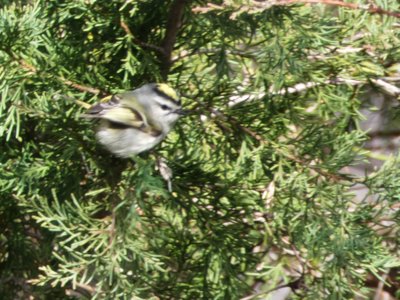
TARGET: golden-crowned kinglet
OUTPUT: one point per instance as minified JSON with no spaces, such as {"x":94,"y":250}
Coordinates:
{"x":136,"y":121}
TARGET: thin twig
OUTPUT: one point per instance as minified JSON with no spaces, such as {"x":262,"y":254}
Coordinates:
{"x":266,"y":292}
{"x":292,"y":285}
{"x":81,"y":87}
{"x":142,"y":44}
{"x":112,"y":229}
{"x":90,"y":289}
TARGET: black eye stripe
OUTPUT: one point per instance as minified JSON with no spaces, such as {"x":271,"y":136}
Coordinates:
{"x":164,"y":95}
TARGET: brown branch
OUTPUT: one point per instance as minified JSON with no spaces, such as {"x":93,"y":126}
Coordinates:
{"x":173,"y":25}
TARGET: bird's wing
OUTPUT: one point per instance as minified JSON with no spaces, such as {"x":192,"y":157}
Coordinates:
{"x":119,"y":113}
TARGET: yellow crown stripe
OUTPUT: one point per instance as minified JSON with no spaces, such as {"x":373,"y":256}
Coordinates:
{"x":167,"y":90}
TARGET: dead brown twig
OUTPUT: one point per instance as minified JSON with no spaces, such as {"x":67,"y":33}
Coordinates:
{"x":371,"y":8}
{"x":33,"y":70}
{"x":258,"y":5}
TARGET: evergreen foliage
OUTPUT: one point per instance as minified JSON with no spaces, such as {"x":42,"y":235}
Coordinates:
{"x":261,"y":193}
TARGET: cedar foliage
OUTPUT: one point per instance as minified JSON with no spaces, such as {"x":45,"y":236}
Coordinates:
{"x":261,"y":196}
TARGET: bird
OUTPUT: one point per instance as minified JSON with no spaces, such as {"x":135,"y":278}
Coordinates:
{"x":136,"y":121}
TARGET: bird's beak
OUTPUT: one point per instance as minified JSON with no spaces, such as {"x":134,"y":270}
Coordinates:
{"x":182,"y":112}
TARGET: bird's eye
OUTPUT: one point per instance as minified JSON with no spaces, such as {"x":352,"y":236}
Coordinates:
{"x":165,"y":107}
